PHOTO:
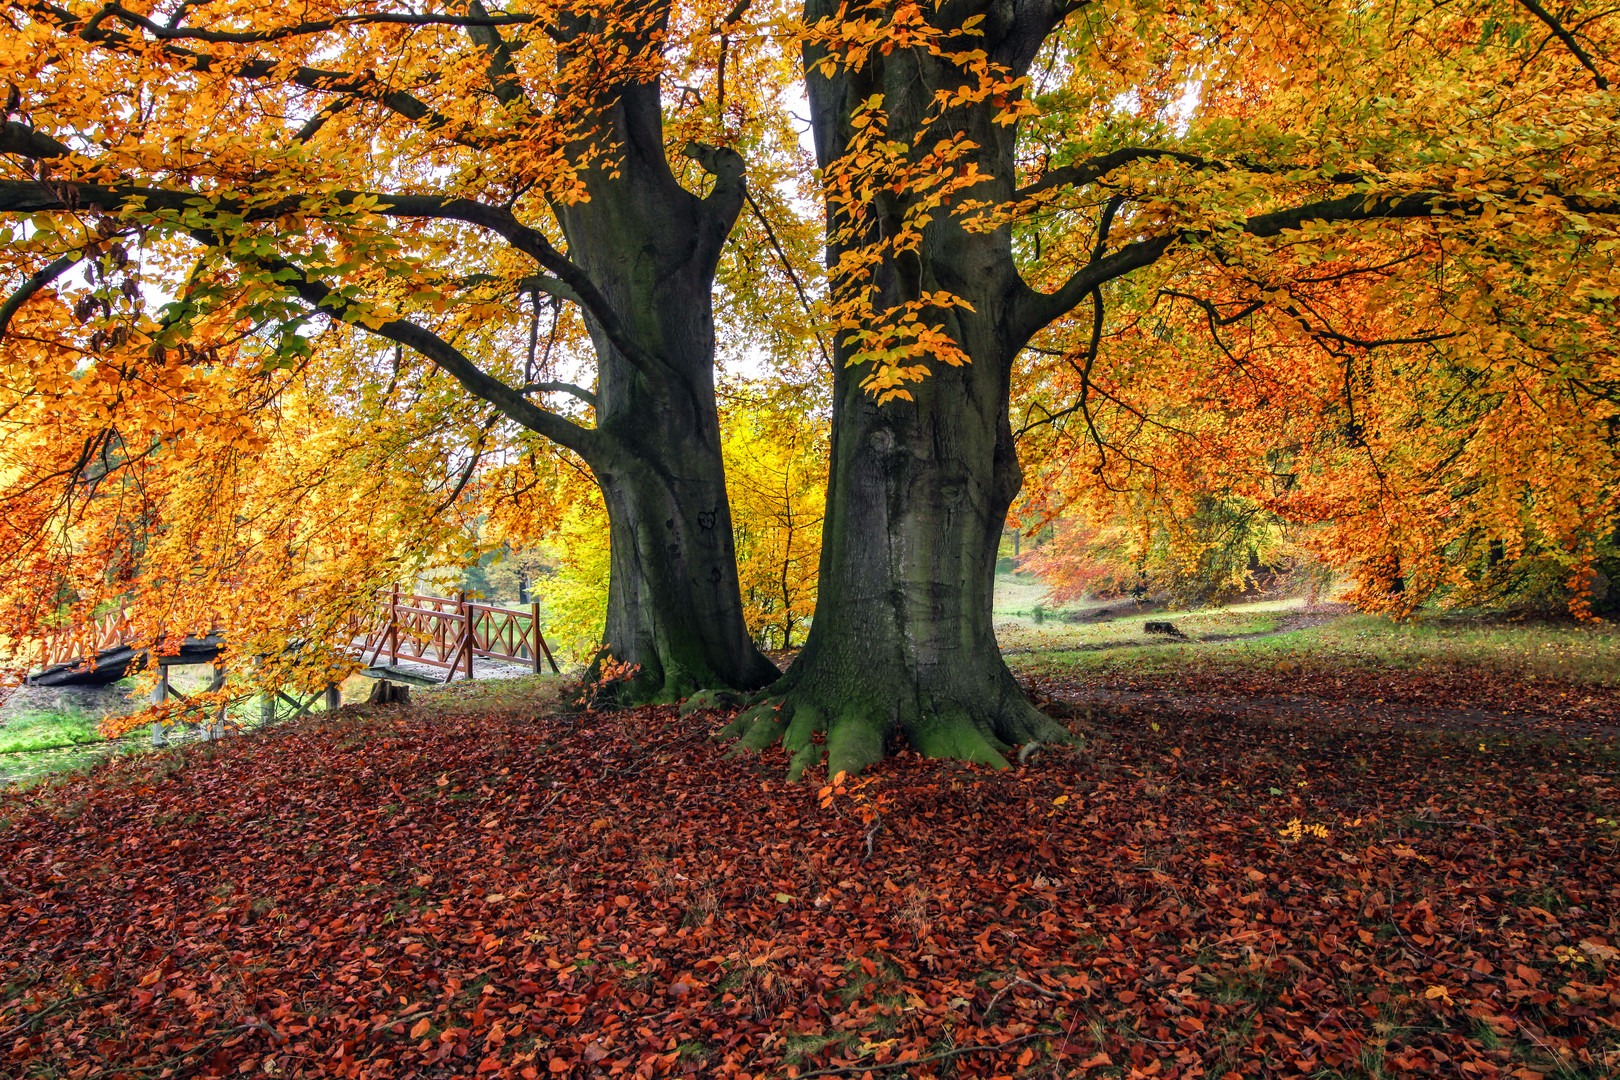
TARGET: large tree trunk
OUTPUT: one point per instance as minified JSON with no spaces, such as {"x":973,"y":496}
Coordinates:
{"x":651,"y":247}
{"x":902,"y":646}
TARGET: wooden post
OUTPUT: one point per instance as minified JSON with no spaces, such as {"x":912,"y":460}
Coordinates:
{"x":267,"y":698}
{"x":160,"y":694}
{"x":466,"y":613}
{"x":334,"y":697}
{"x":534,"y":632}
{"x":393,"y":626}
{"x":216,"y":730}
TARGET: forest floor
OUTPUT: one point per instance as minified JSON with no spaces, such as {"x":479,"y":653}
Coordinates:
{"x":1329,"y":852}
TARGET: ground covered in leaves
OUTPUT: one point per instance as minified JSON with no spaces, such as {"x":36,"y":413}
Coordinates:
{"x":1190,"y":894}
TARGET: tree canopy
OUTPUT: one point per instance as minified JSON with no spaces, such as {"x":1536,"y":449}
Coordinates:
{"x":300,"y":301}
{"x":383,"y":223}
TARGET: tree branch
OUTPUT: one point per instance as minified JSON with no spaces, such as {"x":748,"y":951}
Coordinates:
{"x":559,"y":387}
{"x":1568,"y":39}
{"x":550,"y":286}
{"x":1040,"y":309}
{"x":479,"y":19}
{"x":24,"y":141}
{"x":363,"y":84}
{"x":571,"y":283}
{"x":1092,"y":169}
{"x":472,"y":462}
{"x":502,"y":74}
{"x":35,"y":283}
{"x":582,"y":441}
{"x":730,"y":174}
{"x":787,"y":266}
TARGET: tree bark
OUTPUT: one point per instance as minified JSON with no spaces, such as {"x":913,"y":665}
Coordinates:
{"x":902,"y":647}
{"x":652,"y":248}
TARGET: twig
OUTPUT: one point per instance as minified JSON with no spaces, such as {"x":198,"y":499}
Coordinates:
{"x":845,"y":1070}
{"x":871,"y":837}
{"x":48,"y":1010}
{"x":1018,"y":980}
{"x":6,"y":882}
{"x":1414,"y":950}
{"x":1457,"y":824}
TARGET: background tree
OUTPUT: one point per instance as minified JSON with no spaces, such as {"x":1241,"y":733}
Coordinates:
{"x":479,"y":188}
{"x":1463,"y":458}
{"x":1188,"y":552}
{"x":992,"y":168}
{"x":776,"y":466}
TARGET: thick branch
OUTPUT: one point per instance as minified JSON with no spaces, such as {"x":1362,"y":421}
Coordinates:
{"x":502,"y":74}
{"x":35,"y":283}
{"x":730,"y":174}
{"x":572,"y":283}
{"x":24,"y":141}
{"x":1040,"y":309}
{"x":583,"y":441}
{"x":1093,"y":169}
{"x":560,"y":387}
{"x":550,"y":286}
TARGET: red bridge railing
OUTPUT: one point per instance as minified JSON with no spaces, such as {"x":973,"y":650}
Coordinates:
{"x":448,"y":633}
{"x":436,"y":631}
{"x":70,"y":644}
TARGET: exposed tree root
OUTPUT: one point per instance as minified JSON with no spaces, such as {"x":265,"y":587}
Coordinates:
{"x":852,"y":735}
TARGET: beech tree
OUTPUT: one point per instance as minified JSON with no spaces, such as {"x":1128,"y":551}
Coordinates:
{"x":450,"y":179}
{"x":997,"y":174}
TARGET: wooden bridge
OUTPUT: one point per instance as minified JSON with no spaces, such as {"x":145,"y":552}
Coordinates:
{"x":443,"y":633}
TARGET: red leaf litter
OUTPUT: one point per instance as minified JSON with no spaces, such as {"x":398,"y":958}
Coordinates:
{"x":1188,"y":894}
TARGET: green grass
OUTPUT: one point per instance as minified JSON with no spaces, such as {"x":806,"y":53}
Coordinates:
{"x":1573,"y":654}
{"x":542,"y":692}
{"x":39,"y":730}
{"x":1017,"y":594}
{"x":1127,"y":630}
{"x":1563,"y":652}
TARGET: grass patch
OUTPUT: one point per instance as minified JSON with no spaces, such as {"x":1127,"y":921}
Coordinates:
{"x":538,"y":692}
{"x":1578,"y":655}
{"x":44,"y":729}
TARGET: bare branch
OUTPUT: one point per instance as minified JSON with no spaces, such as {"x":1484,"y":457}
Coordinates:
{"x":1040,"y":309}
{"x":1568,"y":39}
{"x":472,"y":462}
{"x":787,"y":267}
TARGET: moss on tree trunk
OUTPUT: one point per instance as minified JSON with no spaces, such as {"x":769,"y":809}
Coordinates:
{"x":651,"y":247}
{"x":902,"y":648}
